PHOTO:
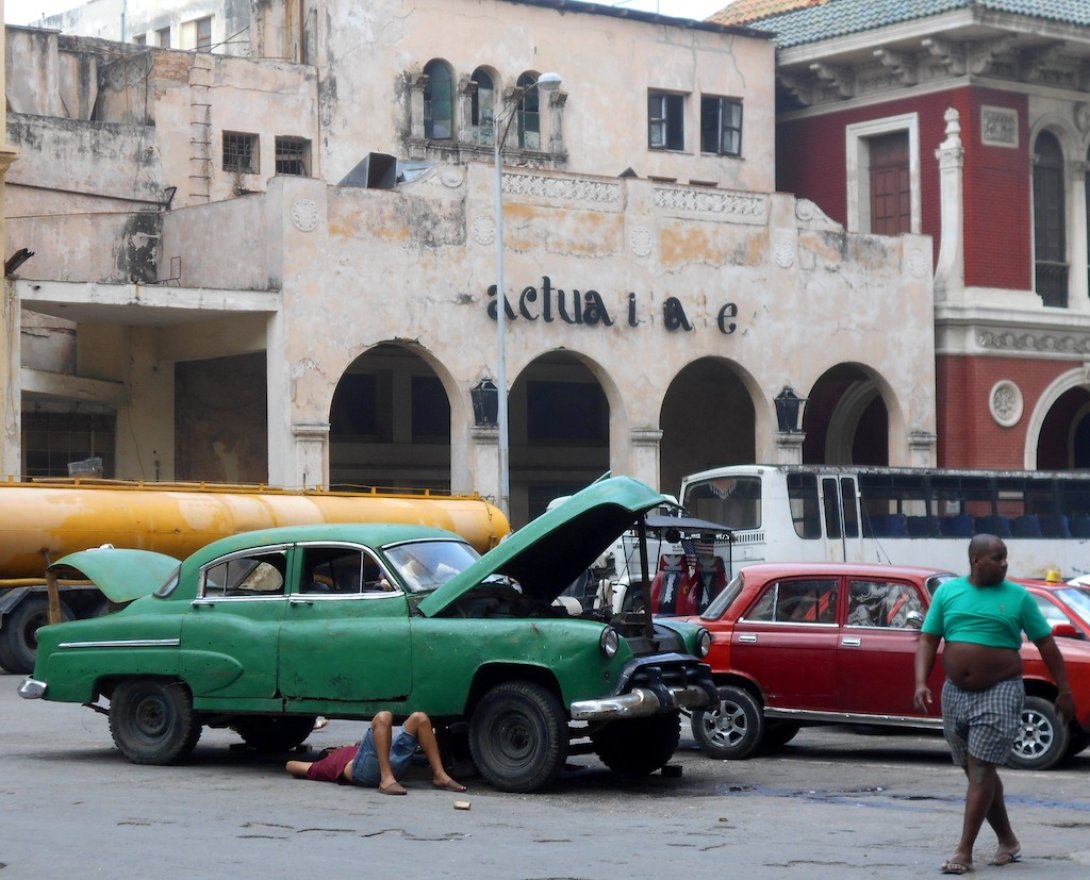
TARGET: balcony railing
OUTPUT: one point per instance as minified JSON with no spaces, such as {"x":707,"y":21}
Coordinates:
{"x":1052,"y":284}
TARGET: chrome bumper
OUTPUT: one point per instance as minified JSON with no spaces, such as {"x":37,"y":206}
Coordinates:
{"x":32,"y":689}
{"x":638,"y":703}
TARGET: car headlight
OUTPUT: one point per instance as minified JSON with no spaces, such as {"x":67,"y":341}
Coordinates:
{"x":703,"y":643}
{"x":608,"y":642}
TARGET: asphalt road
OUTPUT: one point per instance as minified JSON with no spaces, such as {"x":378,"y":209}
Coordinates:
{"x":833,"y":804}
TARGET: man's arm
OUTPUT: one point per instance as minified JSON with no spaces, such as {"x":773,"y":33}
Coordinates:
{"x":1050,"y":653}
{"x":926,"y":650}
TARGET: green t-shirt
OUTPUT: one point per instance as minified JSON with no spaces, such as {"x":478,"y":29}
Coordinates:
{"x":995,"y":616}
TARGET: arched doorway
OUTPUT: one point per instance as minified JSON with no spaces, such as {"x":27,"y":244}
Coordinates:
{"x":559,"y":433}
{"x":707,"y":420}
{"x":389,"y":423}
{"x":1064,"y":441}
{"x":845,"y":419}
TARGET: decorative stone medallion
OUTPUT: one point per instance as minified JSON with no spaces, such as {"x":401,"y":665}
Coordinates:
{"x":1005,"y":403}
{"x":783,"y":248}
{"x":639,"y":239}
{"x":484,"y":230}
{"x":304,"y":215}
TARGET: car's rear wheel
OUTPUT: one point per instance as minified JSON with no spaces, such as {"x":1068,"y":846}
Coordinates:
{"x":639,"y":746}
{"x":733,"y":729}
{"x":152,"y":720}
{"x":274,"y":733}
{"x":19,"y":636}
{"x":1042,"y":736}
{"x":518,"y":736}
{"x":778,"y":734}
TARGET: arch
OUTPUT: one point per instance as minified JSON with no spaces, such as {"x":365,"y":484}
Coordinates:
{"x":529,"y":112}
{"x":484,"y":104}
{"x":439,"y":100}
{"x":397,"y":418}
{"x":1037,"y":424}
{"x":709,"y":416}
{"x":853,"y":416}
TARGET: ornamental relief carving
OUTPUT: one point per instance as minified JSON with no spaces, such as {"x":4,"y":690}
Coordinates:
{"x":727,"y":206}
{"x":1033,"y":342}
{"x":1005,"y":403}
{"x":571,"y":190}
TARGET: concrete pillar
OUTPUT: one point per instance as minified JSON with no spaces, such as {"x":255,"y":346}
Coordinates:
{"x":282,"y":458}
{"x":950,"y":268}
{"x":486,"y":448}
{"x":644,"y":456}
{"x":311,"y":453}
{"x":10,"y":385}
{"x":789,"y":447}
{"x":921,"y":449}
{"x":145,"y":423}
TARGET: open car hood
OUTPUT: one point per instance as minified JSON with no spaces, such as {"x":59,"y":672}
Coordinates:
{"x":546,"y":555}
{"x":121,"y":575}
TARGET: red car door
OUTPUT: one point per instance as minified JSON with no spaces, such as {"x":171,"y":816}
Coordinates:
{"x":877,"y":648}
{"x":787,"y":641}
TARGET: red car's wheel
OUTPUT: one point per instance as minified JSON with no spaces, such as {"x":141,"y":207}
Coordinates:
{"x":733,"y":729}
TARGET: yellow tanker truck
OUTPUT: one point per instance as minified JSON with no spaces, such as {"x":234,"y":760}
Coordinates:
{"x":43,"y":521}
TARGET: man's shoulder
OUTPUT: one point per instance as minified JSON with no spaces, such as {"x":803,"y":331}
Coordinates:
{"x":953,"y":586}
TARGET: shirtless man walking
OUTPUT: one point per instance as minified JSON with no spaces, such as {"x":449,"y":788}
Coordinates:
{"x":981,"y":618}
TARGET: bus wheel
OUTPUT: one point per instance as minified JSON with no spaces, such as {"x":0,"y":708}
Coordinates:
{"x":733,"y":729}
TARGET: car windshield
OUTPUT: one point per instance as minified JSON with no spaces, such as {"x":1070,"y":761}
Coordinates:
{"x":724,"y":600}
{"x":1077,"y":600}
{"x":426,"y":565}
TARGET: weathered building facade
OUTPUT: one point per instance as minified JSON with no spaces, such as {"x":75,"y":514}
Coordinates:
{"x":232,"y":266}
{"x":998,"y":92}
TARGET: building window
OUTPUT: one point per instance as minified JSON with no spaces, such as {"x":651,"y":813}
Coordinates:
{"x":1049,"y":224}
{"x":890,"y":191}
{"x":529,"y":113}
{"x":665,"y":121}
{"x":721,"y":126}
{"x":204,"y":34}
{"x":240,"y":153}
{"x":438,"y":101}
{"x":140,"y":39}
{"x":162,"y":37}
{"x":483,"y":108}
{"x":883,"y":175}
{"x":53,"y":440}
{"x":293,"y":156}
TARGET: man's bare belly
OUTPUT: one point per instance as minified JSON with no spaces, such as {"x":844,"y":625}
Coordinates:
{"x":975,"y":667}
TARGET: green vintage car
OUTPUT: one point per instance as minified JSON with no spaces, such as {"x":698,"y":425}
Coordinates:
{"x":263,"y":631}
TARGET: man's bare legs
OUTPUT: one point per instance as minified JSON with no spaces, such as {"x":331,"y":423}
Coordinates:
{"x":382,"y":732}
{"x":983,"y":800}
{"x":419,"y":725}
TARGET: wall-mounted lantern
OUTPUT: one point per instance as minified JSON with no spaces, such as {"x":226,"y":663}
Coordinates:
{"x":486,"y":403}
{"x":788,"y":406}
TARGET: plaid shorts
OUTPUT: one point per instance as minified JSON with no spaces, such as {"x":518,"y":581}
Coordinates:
{"x":984,"y":723}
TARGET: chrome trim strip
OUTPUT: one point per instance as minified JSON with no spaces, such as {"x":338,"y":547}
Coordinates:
{"x":916,"y":721}
{"x":212,"y":600}
{"x":125,"y":643}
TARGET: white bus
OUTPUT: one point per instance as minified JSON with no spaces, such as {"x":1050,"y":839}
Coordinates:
{"x":922,"y":516}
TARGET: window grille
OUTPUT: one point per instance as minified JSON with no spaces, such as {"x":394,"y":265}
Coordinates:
{"x":240,"y":152}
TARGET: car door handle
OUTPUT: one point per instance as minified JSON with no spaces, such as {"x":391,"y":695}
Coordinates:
{"x":851,"y":642}
{"x":300,"y":600}
{"x":748,"y":639}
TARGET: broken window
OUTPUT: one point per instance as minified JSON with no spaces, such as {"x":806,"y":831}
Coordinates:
{"x":529,"y":113}
{"x":293,"y":156}
{"x":721,"y":126}
{"x":438,"y":101}
{"x":665,"y":121}
{"x":240,"y":152}
{"x":483,"y":107}
{"x":163,"y":37}
{"x":204,"y":34}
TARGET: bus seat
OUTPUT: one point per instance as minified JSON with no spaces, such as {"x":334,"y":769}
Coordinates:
{"x":1027,"y":526}
{"x":922,"y":526}
{"x":999,"y":526}
{"x":892,"y":525}
{"x":1080,"y":527}
{"x":960,"y":526}
{"x":1054,"y":525}
{"x":671,"y":576}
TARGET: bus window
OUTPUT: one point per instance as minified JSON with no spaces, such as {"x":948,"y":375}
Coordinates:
{"x":848,"y":505}
{"x":894,"y":505}
{"x":964,"y":505}
{"x":803,"y":500}
{"x":732,"y":501}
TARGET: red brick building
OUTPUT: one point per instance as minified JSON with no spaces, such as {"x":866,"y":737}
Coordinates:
{"x":969,"y":122}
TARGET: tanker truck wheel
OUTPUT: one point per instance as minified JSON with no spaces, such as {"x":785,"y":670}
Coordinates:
{"x":19,"y":635}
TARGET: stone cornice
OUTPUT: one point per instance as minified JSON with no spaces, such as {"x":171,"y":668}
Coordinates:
{"x":1007,"y":332}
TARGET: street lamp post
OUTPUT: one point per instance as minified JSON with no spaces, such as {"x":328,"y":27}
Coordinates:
{"x":547,"y":82}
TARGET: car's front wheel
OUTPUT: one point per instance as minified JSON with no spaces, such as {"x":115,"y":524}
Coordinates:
{"x":274,"y":733}
{"x":733,"y":729}
{"x":152,"y":720}
{"x":1042,"y":736}
{"x":638,"y":746}
{"x":518,"y":736}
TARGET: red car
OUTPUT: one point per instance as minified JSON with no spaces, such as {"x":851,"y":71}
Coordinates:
{"x":800,"y":644}
{"x":1065,"y":606}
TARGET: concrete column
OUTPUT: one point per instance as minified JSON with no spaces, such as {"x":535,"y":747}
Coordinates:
{"x":921,"y":449}
{"x":486,"y":448}
{"x":1078,"y":294}
{"x":311,"y":453}
{"x":145,"y":423}
{"x":552,"y":118}
{"x":282,"y":457}
{"x":789,"y":447}
{"x":950,"y":268}
{"x":10,"y":386}
{"x":644,"y":455}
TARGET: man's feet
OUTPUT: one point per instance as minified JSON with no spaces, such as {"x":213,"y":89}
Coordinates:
{"x":448,"y":784}
{"x":959,"y":868}
{"x":1006,"y":857}
{"x":394,"y":787}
